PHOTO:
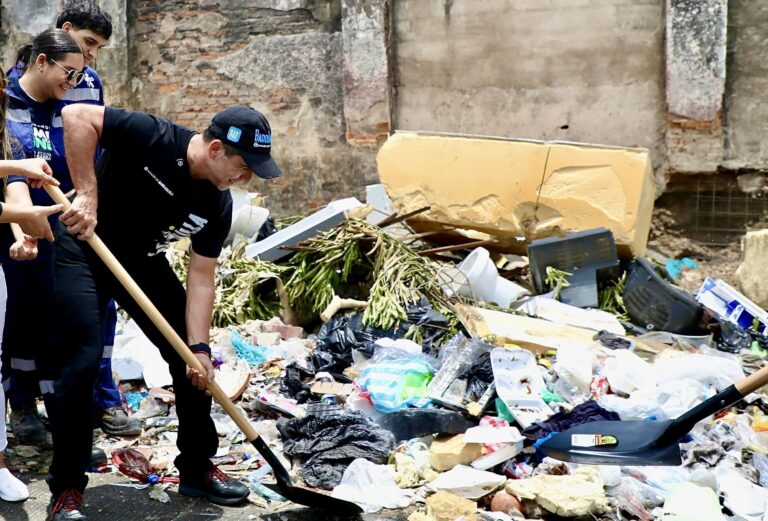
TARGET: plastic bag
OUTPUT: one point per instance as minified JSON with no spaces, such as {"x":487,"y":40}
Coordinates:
{"x":574,"y":371}
{"x":135,"y":465}
{"x":732,"y":338}
{"x":371,"y":486}
{"x":328,"y":444}
{"x":479,"y":376}
{"x":254,"y":355}
{"x":397,"y":384}
{"x":636,"y":498}
{"x":664,"y":402}
{"x":293,"y":383}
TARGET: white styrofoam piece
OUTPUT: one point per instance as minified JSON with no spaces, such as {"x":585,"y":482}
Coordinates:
{"x":560,"y":313}
{"x":491,"y":434}
{"x":500,"y":455}
{"x":518,"y":380}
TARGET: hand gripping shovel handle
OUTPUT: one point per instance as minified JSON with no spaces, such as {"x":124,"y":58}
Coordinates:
{"x":178,"y":344}
{"x":157,"y":319}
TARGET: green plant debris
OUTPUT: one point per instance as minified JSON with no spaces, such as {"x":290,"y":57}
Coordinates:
{"x":611,"y":298}
{"x":556,"y":280}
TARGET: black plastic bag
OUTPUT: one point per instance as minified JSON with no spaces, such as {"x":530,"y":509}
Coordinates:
{"x":479,"y":376}
{"x":328,"y":444}
{"x":267,"y":229}
{"x":338,"y":337}
{"x":732,"y":338}
{"x":293,"y":384}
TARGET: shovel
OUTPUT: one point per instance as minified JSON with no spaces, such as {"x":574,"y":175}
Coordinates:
{"x":643,"y":442}
{"x":286,"y":488}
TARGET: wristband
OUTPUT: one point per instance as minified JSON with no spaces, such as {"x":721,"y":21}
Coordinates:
{"x":201,"y":347}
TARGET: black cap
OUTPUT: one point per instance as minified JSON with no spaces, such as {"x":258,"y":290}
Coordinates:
{"x":248,"y":131}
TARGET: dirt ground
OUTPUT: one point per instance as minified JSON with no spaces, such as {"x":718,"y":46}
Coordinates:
{"x":668,"y":239}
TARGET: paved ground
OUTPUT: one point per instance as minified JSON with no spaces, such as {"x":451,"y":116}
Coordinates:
{"x":107,"y":502}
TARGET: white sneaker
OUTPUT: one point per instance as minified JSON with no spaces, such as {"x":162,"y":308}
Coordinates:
{"x":11,"y":487}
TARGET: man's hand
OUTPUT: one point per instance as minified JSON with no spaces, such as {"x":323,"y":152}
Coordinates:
{"x":201,"y":380}
{"x":23,"y":250}
{"x":37,"y":171}
{"x":81,"y":216}
{"x":34,"y":221}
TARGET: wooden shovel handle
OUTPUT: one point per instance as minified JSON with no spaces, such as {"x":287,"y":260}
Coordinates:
{"x":752,"y":382}
{"x":158,"y":320}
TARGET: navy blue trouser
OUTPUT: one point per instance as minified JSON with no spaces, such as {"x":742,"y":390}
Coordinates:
{"x":106,"y":395}
{"x":28,"y":338}
{"x":83,"y":288}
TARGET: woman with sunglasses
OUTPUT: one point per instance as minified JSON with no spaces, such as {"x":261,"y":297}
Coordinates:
{"x":34,"y":221}
{"x":53,"y":65}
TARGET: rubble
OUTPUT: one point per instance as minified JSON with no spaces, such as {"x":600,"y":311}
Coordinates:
{"x":380,"y":367}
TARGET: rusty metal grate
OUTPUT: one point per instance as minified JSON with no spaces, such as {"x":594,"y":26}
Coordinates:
{"x":721,"y":212}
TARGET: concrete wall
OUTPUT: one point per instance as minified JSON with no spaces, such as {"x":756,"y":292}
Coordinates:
{"x":577,"y":70}
{"x":746,"y":94}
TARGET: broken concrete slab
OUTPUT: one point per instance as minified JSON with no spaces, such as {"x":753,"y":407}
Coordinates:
{"x":751,"y":272}
{"x":447,"y":452}
{"x":514,"y":191}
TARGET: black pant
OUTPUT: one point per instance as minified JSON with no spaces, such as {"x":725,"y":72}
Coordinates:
{"x":83,"y":288}
{"x":28,"y":339}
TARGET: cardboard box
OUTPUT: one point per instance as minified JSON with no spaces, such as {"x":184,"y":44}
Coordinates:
{"x":515,"y":191}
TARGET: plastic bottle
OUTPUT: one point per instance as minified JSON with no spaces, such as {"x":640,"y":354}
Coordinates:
{"x":135,"y":465}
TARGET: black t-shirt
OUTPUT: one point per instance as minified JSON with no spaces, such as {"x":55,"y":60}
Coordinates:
{"x":147,"y":197}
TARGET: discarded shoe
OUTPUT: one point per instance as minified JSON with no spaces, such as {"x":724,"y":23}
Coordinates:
{"x":67,"y":506}
{"x":98,"y":457}
{"x":11,"y":487}
{"x":115,"y":422}
{"x":217,"y":487}
{"x":26,"y":425}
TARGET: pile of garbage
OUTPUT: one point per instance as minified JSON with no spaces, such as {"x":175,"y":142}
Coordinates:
{"x":399,"y":373}
{"x":409,"y":382}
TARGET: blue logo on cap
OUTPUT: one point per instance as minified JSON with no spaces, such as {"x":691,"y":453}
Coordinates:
{"x":234,"y":134}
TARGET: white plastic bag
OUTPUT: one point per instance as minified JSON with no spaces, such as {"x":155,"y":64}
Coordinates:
{"x":371,"y":486}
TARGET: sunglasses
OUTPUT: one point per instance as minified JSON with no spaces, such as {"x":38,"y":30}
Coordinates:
{"x":72,"y":74}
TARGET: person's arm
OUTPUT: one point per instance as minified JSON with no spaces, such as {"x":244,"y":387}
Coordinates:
{"x":32,"y":219}
{"x":36,"y":170}
{"x":201,"y":292}
{"x":83,"y":125}
{"x":24,"y":246}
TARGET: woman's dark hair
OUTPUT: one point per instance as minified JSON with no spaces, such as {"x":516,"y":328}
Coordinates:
{"x":85,"y":14}
{"x":54,"y":43}
{"x":5,"y":136}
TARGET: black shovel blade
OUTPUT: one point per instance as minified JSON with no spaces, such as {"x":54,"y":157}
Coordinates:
{"x":302,"y":496}
{"x":333,"y":506}
{"x":636,"y":443}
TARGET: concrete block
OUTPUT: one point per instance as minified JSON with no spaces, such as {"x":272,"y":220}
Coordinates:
{"x":446,"y":453}
{"x":751,"y":272}
{"x":514,"y":191}
{"x":285,"y":331}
